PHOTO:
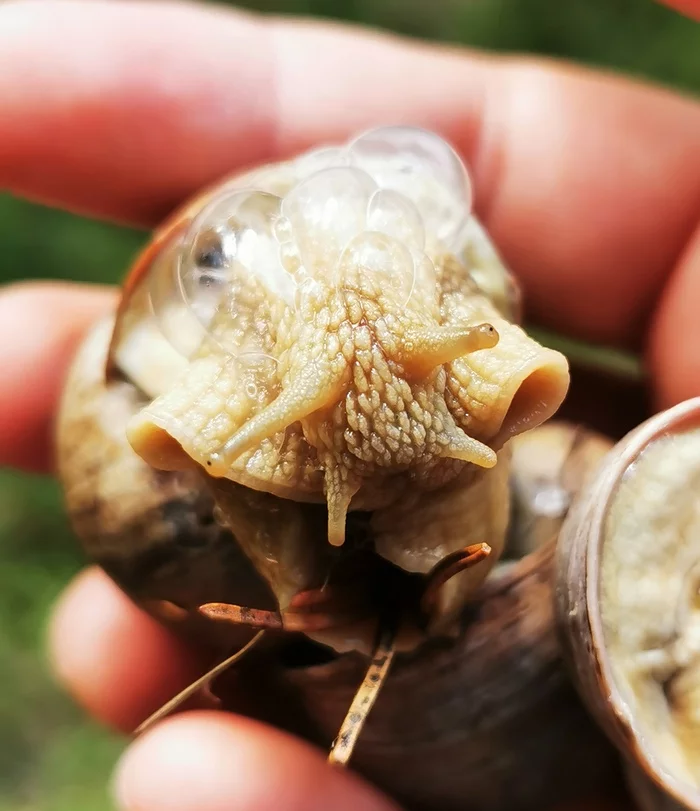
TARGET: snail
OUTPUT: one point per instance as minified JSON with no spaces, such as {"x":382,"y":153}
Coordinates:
{"x":628,"y":594}
{"x":313,"y":433}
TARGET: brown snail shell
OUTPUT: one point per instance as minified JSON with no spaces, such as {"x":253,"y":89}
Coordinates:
{"x":628,"y":597}
{"x":488,"y":722}
{"x":180,"y":522}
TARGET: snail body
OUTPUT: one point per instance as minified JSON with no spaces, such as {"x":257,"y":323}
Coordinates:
{"x":314,"y":412}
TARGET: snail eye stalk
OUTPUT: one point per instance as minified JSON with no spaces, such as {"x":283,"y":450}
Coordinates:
{"x":448,"y":568}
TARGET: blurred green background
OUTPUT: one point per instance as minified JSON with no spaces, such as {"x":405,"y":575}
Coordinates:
{"x":51,"y":757}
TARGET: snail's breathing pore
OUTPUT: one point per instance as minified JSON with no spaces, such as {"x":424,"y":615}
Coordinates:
{"x":333,"y":344}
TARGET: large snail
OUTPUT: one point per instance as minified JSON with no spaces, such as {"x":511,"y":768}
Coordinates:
{"x":315,"y":415}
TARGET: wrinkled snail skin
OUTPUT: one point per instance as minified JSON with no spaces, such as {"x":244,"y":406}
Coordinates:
{"x":627,"y":604}
{"x":277,"y":423}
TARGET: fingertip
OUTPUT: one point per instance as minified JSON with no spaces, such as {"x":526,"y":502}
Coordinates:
{"x":115,"y":660}
{"x":217,"y":761}
{"x":40,"y":326}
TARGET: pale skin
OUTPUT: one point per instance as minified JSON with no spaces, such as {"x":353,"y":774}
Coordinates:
{"x":589,"y":183}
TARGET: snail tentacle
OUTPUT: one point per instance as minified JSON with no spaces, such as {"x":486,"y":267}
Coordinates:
{"x":316,"y":386}
{"x":448,"y":568}
{"x":422,"y":350}
{"x":340,"y":490}
{"x":464,"y":448}
{"x":240,"y":615}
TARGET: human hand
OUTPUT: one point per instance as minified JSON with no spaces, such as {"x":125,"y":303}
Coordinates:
{"x":589,"y":184}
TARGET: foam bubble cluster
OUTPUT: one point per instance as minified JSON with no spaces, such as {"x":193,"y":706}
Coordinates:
{"x":386,"y":201}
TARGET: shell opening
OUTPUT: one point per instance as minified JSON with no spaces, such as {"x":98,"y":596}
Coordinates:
{"x":646,"y":604}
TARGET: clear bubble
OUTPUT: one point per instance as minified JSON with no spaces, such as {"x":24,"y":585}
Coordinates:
{"x":395,"y":215}
{"x":326,"y":210}
{"x":282,"y":229}
{"x":175,"y":319}
{"x":318,"y":159}
{"x":226,"y":278}
{"x":289,"y":258}
{"x":388,"y":261}
{"x":426,"y":280}
{"x":425,"y":169}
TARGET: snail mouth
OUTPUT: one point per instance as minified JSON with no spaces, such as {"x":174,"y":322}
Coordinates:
{"x":536,"y":399}
{"x":508,"y":390}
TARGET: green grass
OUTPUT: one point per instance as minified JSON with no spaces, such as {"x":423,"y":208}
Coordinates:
{"x":51,"y":757}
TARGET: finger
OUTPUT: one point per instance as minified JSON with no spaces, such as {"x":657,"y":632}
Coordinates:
{"x":40,"y":327}
{"x":117,"y":662}
{"x":572,"y":169}
{"x":125,"y":140}
{"x":215,"y":762}
{"x":689,"y":7}
{"x":674,"y":338}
